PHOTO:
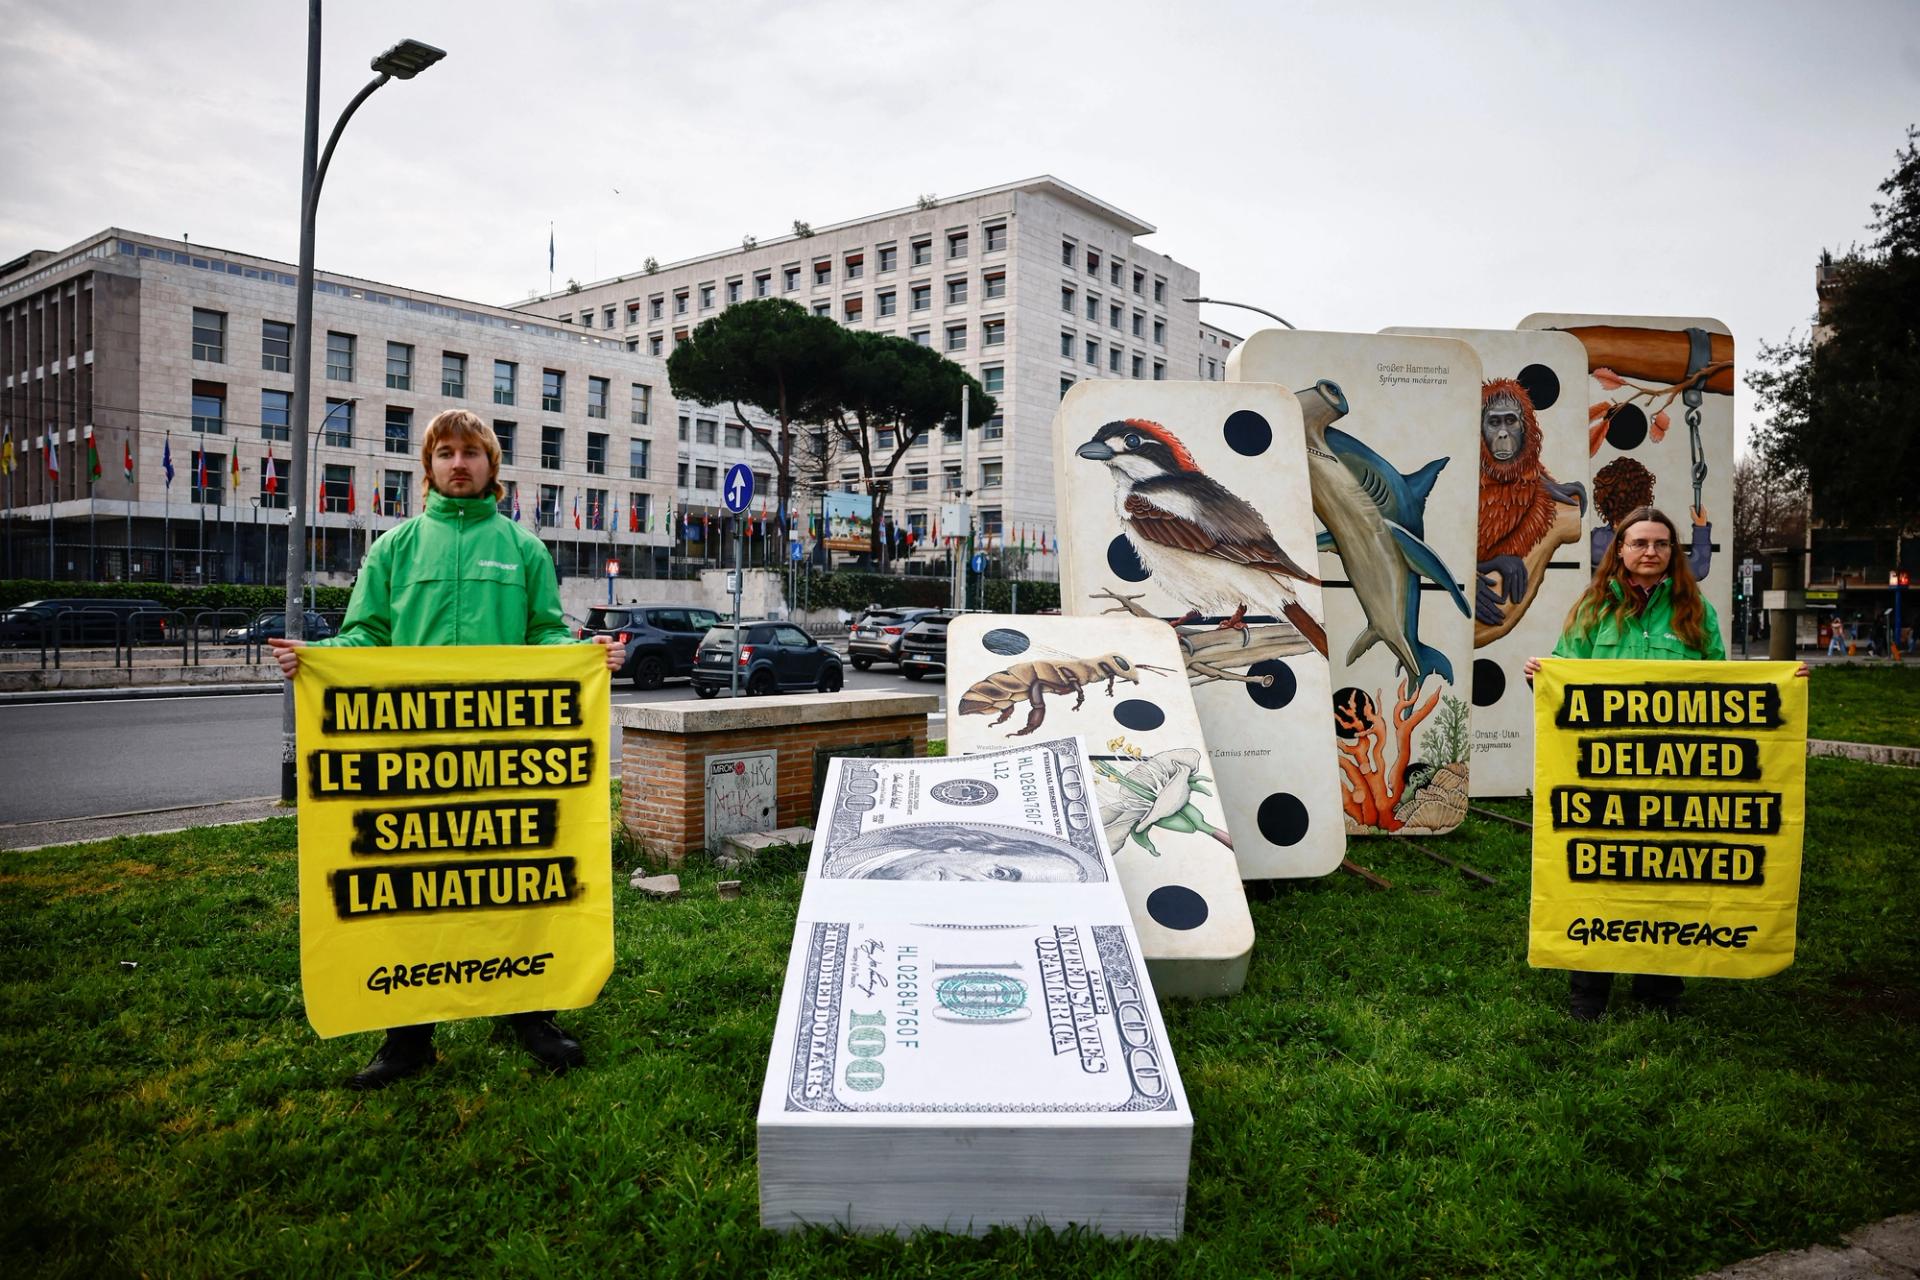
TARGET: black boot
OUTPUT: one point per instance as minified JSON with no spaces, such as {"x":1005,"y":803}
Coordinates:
{"x":1587,"y":995}
{"x":553,"y":1048}
{"x":405,"y":1051}
{"x":1660,"y":993}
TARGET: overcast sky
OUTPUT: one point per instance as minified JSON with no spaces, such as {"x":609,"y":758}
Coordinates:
{"x":1349,"y":166}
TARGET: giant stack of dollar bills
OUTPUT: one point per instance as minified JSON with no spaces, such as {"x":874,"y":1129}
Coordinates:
{"x":967,"y":1037}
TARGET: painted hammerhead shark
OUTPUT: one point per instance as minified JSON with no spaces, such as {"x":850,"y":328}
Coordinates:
{"x":1375,"y":520}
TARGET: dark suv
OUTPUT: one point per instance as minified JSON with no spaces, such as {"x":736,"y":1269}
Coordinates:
{"x":923,"y":649}
{"x":660,"y":638}
{"x":876,"y":634}
{"x":775,"y":657}
{"x":93,"y":622}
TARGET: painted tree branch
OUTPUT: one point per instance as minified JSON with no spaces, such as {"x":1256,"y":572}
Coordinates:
{"x":1221,"y":653}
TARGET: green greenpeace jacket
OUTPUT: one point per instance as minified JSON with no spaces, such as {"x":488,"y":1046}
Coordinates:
{"x":457,"y":573}
{"x":1650,"y":635}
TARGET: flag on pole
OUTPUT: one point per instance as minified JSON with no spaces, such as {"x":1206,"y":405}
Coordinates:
{"x":128,"y":446}
{"x":53,"y":456}
{"x":349,"y":493}
{"x":633,"y":516}
{"x":271,"y":477}
{"x":236,"y":473}
{"x":6,"y":452}
{"x":373,"y":499}
{"x":549,"y":246}
{"x":516,"y":504}
{"x":166,"y":459}
{"x":93,"y":458}
{"x":200,"y":471}
{"x":576,"y":511}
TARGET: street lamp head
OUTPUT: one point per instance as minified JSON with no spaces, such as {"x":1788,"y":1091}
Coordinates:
{"x":407,"y":59}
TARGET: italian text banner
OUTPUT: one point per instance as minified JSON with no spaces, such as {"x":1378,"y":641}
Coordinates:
{"x":1669,"y":802}
{"x":454,"y":856}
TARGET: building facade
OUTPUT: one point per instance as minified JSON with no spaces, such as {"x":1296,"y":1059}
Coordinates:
{"x":154,"y":351}
{"x":1031,"y":287}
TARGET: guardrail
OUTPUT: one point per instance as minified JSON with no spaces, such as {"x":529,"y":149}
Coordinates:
{"x":202,"y":635}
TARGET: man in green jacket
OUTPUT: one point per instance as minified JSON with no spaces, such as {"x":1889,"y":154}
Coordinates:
{"x":457,"y":573}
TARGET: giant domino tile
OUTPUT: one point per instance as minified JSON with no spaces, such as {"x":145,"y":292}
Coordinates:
{"x":1547,"y":371}
{"x":1392,"y":447}
{"x":1121,"y":684}
{"x":1262,"y":695}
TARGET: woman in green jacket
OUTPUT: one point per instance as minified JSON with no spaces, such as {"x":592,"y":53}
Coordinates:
{"x":1643,"y":603}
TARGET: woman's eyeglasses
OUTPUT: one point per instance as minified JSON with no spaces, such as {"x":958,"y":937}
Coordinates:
{"x":1639,"y":544}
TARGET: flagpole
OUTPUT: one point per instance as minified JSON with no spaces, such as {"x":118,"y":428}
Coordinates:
{"x":93,"y":539}
{"x":127,"y":569}
{"x":53,"y":487}
{"x":200,"y":537}
{"x":166,"y":520}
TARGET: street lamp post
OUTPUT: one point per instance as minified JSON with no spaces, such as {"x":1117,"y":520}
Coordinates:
{"x":403,"y":61}
{"x":1221,"y":302}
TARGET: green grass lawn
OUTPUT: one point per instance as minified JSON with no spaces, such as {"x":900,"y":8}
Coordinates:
{"x":1395,"y":1092}
{"x":1858,"y":702}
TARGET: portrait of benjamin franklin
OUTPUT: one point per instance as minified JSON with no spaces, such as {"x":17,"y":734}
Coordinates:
{"x":951,"y":851}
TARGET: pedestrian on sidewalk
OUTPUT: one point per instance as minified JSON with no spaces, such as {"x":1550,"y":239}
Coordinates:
{"x":459,"y":573}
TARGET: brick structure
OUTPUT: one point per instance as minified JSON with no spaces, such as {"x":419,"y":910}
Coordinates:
{"x":664,"y":747}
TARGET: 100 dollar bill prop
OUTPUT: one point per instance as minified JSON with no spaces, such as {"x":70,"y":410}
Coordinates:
{"x":968,"y":1037}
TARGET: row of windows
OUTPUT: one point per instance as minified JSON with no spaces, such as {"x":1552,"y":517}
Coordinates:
{"x":819,"y":270}
{"x":706,"y":475}
{"x":337,"y":430}
{"x":1073,"y":347}
{"x":1138,"y":371}
{"x":276,"y":356}
{"x":1070,"y":251}
{"x":1116,"y":314}
{"x":992,"y":470}
{"x":394,"y":491}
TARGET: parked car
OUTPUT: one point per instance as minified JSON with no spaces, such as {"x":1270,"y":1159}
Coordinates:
{"x":95,"y":622}
{"x":661,"y":640}
{"x":774,"y":657}
{"x":272,"y":626}
{"x":876,"y":634}
{"x":923,"y":649}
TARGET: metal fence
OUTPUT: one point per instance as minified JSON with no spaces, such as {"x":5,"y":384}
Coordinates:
{"x":202,"y":637}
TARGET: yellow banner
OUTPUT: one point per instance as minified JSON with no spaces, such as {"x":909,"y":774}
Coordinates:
{"x":1669,"y":804}
{"x":454,"y":833}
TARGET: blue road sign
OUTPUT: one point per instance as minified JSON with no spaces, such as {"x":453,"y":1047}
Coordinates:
{"x":798,"y":554}
{"x":979,"y":562}
{"x":737,"y":492}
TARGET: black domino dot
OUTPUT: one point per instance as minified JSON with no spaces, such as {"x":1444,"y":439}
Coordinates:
{"x":1125,"y":561}
{"x":1174,"y":906}
{"x":1247,"y":433}
{"x":1541,"y":384}
{"x":1489,"y":682}
{"x":1283,"y":819}
{"x":1281,"y":686}
{"x":1005,"y":641}
{"x":1139,"y":715}
{"x":1350,"y":704}
{"x":1627,"y":427}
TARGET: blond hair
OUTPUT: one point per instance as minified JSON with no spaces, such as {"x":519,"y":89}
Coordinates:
{"x":460,"y":424}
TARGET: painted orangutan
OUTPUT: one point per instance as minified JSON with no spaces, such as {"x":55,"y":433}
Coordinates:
{"x":1517,"y":496}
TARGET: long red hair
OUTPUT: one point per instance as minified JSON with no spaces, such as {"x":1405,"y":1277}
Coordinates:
{"x":1611,"y":594}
